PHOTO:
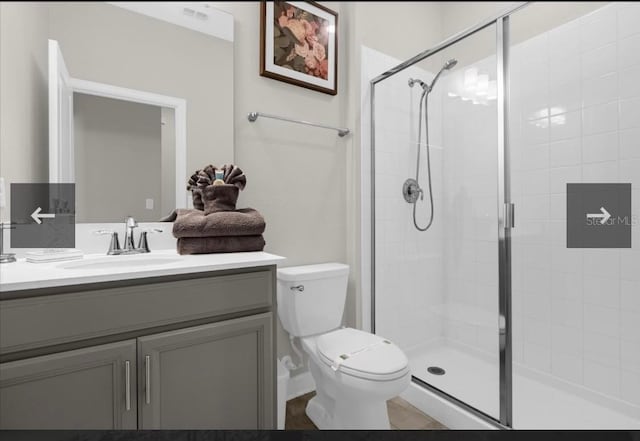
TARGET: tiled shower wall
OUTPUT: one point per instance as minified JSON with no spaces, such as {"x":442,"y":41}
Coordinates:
{"x":408,"y":269}
{"x":575,"y":117}
{"x":470,"y":213}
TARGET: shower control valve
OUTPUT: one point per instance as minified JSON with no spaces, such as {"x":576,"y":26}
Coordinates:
{"x":411,"y":190}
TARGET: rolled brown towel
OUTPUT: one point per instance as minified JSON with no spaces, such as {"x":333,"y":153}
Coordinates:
{"x":224,"y":244}
{"x":199,"y":180}
{"x":196,"y":196}
{"x":210,"y":170}
{"x":219,"y":198}
{"x":234,"y":176}
{"x":194,"y":223}
{"x":193,"y":180}
{"x":170,"y":217}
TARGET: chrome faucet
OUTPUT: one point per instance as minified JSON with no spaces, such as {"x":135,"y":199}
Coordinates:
{"x":129,"y":247}
{"x":130,"y":223}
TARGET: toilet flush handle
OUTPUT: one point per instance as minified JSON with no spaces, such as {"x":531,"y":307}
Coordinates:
{"x":299,"y":288}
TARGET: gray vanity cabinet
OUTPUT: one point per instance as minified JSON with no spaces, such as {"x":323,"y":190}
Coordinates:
{"x":89,"y":388}
{"x":198,"y":348}
{"x":215,"y":376}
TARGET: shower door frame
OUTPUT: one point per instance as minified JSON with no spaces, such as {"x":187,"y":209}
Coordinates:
{"x":505,"y":210}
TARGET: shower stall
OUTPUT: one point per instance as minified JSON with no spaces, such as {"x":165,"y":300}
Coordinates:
{"x":470,"y":272}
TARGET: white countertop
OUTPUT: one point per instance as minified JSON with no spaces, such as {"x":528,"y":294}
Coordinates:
{"x":23,"y":275}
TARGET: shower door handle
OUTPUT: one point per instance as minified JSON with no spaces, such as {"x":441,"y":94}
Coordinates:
{"x":509,"y":215}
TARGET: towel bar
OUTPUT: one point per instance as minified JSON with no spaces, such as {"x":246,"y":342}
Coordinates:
{"x":253,"y":116}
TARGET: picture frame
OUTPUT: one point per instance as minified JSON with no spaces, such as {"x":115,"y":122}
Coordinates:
{"x":299,"y":44}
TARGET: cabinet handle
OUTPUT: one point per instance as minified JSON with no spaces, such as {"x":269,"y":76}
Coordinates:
{"x":147,"y":379}
{"x":127,"y":384}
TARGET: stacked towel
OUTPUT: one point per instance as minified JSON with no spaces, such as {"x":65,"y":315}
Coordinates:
{"x":215,"y":226}
{"x":194,"y":223}
{"x":218,"y":232}
{"x":222,"y":244}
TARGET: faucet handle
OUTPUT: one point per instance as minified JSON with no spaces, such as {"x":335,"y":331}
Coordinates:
{"x":143,"y":243}
{"x":130,"y":222}
{"x":152,"y":230}
{"x":114,"y":245}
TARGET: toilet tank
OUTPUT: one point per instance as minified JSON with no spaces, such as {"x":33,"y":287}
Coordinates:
{"x":311,"y":298}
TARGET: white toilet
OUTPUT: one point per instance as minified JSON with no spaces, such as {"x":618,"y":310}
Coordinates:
{"x":355,"y":372}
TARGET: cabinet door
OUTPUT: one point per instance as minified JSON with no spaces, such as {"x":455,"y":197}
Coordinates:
{"x":90,"y":388}
{"x":216,"y":376}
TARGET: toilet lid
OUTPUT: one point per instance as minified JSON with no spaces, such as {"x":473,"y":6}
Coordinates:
{"x":362,"y":354}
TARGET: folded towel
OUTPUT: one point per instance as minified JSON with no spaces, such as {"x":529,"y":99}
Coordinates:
{"x":219,"y":198}
{"x":226,"y":244}
{"x":194,"y":223}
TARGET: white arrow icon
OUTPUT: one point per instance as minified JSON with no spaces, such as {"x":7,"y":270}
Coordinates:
{"x":37,"y":216}
{"x":604,"y":217}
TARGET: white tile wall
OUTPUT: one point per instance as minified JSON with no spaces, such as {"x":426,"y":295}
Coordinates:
{"x":469,"y":202}
{"x":409,"y":264}
{"x":577,"y":312}
{"x":424,"y":289}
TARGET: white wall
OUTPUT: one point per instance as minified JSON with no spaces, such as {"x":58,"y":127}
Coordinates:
{"x":23,"y":102}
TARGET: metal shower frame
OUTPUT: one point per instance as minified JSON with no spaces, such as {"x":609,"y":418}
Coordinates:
{"x":505,"y":208}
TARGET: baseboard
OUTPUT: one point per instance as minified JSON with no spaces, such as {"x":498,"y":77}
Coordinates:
{"x":299,"y":385}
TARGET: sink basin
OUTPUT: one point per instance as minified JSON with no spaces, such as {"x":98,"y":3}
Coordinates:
{"x":116,"y":262}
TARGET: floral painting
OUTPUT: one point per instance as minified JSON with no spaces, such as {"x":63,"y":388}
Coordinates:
{"x":299,"y":44}
{"x":301,"y":40}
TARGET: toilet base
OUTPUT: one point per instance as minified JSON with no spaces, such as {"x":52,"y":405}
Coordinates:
{"x":347,"y":414}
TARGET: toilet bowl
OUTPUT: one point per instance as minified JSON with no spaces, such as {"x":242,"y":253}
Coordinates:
{"x":355,"y":372}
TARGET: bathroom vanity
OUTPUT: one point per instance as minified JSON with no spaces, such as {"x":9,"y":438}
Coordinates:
{"x":158,"y":341}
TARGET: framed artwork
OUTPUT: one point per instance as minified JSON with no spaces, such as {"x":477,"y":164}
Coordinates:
{"x":299,"y":44}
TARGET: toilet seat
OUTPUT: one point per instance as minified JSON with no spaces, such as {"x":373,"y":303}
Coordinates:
{"x":361,"y":354}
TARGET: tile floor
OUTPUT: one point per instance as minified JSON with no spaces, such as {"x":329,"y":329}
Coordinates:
{"x":403,"y":416}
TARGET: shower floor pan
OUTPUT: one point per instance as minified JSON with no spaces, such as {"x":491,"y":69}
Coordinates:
{"x":539,"y":400}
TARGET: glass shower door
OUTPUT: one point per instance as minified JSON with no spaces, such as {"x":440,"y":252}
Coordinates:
{"x":436,"y":291}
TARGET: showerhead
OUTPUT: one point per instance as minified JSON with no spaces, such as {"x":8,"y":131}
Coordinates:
{"x":450,"y":64}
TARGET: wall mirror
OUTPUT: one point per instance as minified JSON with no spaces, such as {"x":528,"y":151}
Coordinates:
{"x":140,"y":94}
